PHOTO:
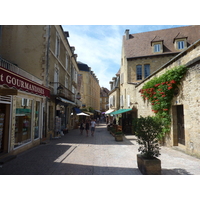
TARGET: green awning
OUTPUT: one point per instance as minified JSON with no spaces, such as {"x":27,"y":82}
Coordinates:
{"x":120,"y":111}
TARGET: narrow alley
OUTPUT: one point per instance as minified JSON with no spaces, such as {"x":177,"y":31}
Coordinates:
{"x":75,"y":154}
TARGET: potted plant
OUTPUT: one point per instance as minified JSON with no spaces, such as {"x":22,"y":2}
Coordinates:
{"x":118,"y":136}
{"x":148,"y":130}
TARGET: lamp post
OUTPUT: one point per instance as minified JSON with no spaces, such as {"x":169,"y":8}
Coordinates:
{"x":78,"y":96}
{"x":59,"y":90}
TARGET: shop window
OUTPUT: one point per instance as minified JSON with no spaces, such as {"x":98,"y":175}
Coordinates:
{"x":37,"y":120}
{"x":23,"y":120}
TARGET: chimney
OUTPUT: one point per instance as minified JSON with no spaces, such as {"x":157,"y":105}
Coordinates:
{"x":127,"y":34}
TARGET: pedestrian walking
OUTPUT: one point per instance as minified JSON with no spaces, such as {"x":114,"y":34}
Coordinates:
{"x":81,"y":127}
{"x":87,"y":126}
{"x":98,"y":121}
{"x":93,"y":124}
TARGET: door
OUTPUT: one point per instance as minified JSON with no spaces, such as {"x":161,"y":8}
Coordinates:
{"x":180,"y":125}
{"x":4,"y":127}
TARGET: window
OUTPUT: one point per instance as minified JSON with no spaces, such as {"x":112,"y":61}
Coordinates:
{"x":57,"y":49}
{"x":181,"y":44}
{"x":37,"y":120}
{"x":56,"y":79}
{"x":157,"y":48}
{"x":146,"y":70}
{"x":66,"y":82}
{"x":66,"y":64}
{"x":139,"y":72}
{"x":23,"y":120}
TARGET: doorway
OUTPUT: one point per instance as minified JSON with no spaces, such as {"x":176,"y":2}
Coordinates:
{"x":4,"y":127}
{"x":180,"y":124}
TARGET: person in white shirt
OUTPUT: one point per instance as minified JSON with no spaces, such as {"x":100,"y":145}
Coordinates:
{"x":93,"y":124}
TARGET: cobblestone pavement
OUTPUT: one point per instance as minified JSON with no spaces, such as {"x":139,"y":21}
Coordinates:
{"x":76,"y":154}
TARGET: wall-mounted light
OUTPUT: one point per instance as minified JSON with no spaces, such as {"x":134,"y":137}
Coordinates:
{"x":78,"y":96}
{"x":60,"y":90}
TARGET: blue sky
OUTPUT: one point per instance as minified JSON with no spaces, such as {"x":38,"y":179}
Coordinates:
{"x":99,"y":46}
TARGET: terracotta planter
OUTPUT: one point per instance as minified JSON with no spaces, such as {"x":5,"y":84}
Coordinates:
{"x":149,"y":166}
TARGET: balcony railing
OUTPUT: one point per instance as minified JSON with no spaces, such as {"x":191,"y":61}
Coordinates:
{"x":7,"y":65}
{"x":66,"y":93}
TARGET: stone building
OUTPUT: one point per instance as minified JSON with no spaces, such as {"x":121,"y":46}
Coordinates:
{"x":185,"y":109}
{"x":40,"y":66}
{"x":89,"y":88}
{"x":143,"y":54}
{"x":104,"y":99}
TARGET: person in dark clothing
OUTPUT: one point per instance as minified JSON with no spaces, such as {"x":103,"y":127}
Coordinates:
{"x":81,"y":127}
{"x":87,"y":126}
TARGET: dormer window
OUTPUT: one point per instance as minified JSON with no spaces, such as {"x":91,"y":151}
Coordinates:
{"x":180,"y":42}
{"x":157,"y":45}
{"x":157,"y":48}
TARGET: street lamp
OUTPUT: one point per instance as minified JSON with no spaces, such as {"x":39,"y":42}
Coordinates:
{"x":60,"y":90}
{"x":78,"y":96}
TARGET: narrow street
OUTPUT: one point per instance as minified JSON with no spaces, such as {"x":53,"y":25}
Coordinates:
{"x":76,"y":154}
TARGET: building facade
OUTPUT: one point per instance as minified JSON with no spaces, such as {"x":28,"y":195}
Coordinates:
{"x":39,"y":70}
{"x":143,"y":54}
{"x":104,"y":99}
{"x":184,"y":111}
{"x":89,"y":88}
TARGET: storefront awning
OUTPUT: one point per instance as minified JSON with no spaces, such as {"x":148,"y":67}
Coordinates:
{"x":120,"y":111}
{"x":77,"y":110}
{"x":65,"y":100}
{"x":109,"y":111}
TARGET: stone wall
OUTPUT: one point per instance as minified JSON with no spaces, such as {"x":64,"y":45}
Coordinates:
{"x":188,"y":97}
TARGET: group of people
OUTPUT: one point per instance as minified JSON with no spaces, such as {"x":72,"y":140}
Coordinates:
{"x":87,"y":126}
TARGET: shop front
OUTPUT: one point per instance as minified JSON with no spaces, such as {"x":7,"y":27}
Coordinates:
{"x":21,"y":113}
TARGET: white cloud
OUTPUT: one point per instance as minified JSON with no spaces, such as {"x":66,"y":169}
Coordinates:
{"x":99,"y":47}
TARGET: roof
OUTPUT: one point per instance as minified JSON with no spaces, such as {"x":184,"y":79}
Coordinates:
{"x":83,"y":66}
{"x":104,"y":92}
{"x":139,"y":44}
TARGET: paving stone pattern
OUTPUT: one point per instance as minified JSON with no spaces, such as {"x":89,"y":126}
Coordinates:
{"x":75,"y":154}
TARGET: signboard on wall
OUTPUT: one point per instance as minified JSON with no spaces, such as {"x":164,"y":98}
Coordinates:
{"x":19,"y":82}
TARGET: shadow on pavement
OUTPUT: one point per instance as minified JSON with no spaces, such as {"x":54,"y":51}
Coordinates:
{"x":77,"y":169}
{"x":36,"y":161}
{"x":176,"y":171}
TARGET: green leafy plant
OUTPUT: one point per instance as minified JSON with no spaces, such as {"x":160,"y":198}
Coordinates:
{"x":159,"y":91}
{"x":119,"y":133}
{"x":147,"y":130}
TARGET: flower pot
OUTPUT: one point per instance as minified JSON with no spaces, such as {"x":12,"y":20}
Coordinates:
{"x":118,"y":138}
{"x":149,"y":166}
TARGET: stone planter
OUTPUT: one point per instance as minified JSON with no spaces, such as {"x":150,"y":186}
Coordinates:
{"x":119,"y":138}
{"x":149,"y":166}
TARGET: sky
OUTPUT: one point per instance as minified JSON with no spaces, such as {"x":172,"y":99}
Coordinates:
{"x":99,"y":46}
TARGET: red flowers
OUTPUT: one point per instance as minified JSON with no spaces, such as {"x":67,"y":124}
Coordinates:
{"x":165,"y":109}
{"x":173,"y":81}
{"x":169,"y":88}
{"x":157,"y":85}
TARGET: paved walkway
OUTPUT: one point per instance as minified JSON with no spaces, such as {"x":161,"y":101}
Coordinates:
{"x":76,"y":154}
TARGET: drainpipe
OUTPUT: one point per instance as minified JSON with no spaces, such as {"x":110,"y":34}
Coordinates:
{"x":45,"y":128}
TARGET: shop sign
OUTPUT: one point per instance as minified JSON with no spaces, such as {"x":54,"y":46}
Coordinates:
{"x":19,"y":82}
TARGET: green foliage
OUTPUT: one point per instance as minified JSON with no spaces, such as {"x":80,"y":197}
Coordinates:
{"x":147,"y":129}
{"x":159,"y":92}
{"x":118,"y":133}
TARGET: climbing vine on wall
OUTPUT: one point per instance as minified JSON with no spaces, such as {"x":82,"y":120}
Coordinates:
{"x":159,"y":91}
